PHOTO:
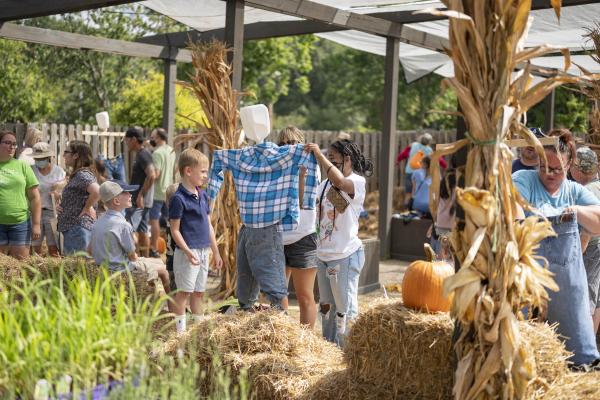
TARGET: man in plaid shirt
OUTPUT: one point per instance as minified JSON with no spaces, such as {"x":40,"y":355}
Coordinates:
{"x":266,"y":185}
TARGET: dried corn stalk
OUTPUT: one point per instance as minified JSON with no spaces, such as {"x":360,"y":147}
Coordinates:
{"x":211,"y":84}
{"x":592,"y":89}
{"x":498,"y":273}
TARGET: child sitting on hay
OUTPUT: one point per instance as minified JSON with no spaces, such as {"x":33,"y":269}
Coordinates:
{"x":112,"y":242}
{"x":193,"y":234}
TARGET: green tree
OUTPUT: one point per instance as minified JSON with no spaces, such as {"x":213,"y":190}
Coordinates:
{"x":141,"y":104}
{"x":87,"y":82}
{"x":272,"y":66}
{"x":347,"y":93}
{"x":25,"y":94}
{"x":571,"y":111}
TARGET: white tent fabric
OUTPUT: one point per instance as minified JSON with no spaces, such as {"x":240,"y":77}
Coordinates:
{"x":204,"y":15}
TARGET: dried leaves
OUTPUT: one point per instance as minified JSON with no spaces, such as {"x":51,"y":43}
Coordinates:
{"x":499,"y":273}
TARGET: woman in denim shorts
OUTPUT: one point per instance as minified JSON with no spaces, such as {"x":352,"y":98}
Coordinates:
{"x":340,"y":252}
{"x":19,"y":198}
{"x":300,"y":246}
{"x":76,"y":214}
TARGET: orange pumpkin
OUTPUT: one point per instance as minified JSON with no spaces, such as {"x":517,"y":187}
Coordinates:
{"x":423,"y":284}
{"x":161,"y":246}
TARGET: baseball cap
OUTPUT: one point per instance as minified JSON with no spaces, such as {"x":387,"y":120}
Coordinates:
{"x":586,"y":160}
{"x":111,"y":189}
{"x":135,"y":132}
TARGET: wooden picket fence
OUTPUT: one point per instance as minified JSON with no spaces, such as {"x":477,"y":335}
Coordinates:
{"x":58,"y":135}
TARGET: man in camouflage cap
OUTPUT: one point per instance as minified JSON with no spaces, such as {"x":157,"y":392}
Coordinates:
{"x":585,"y":168}
{"x":585,"y":172}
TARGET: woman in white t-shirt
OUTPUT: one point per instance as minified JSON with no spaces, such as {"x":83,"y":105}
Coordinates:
{"x":300,"y":245}
{"x":51,"y":178}
{"x":339,"y":250}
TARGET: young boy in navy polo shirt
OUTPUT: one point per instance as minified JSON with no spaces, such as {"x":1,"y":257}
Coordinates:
{"x":193,"y":234}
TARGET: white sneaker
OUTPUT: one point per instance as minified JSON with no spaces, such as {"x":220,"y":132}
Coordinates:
{"x":340,"y":322}
{"x":180,"y":323}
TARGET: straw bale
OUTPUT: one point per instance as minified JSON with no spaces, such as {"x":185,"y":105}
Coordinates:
{"x":12,"y":269}
{"x":277,"y":376}
{"x":390,"y":345}
{"x":402,"y":352}
{"x":282,"y":358}
{"x":575,"y":386}
{"x":548,"y":350}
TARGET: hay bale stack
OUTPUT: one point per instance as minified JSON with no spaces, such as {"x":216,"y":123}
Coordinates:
{"x":48,"y":267}
{"x":394,"y":352}
{"x":281,"y":358}
{"x":403,"y":353}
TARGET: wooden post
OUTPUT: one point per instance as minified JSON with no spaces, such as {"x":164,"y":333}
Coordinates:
{"x":388,"y":144}
{"x":549,"y":104}
{"x":234,"y":38}
{"x":168,"y":121}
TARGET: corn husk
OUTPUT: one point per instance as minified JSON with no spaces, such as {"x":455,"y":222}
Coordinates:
{"x":211,"y":85}
{"x":498,"y":272}
{"x":591,"y":89}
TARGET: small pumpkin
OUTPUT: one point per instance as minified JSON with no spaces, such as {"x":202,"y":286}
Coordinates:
{"x":161,"y":245}
{"x":423,"y":283}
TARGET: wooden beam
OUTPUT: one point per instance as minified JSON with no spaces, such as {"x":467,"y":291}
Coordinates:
{"x":388,"y":145}
{"x":20,"y":9}
{"x":234,"y":38}
{"x":254,"y":31}
{"x":85,"y":42}
{"x":169,"y":95}
{"x":549,"y":106}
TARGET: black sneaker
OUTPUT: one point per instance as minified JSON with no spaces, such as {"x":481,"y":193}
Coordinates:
{"x":591,"y":367}
{"x":154,"y":254}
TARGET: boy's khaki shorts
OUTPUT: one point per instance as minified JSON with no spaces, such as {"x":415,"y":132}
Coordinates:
{"x":188,"y":277}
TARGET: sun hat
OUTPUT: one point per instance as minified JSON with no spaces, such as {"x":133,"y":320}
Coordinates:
{"x":42,"y":150}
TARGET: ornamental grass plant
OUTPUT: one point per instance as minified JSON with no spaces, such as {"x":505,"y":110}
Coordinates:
{"x":92,"y":330}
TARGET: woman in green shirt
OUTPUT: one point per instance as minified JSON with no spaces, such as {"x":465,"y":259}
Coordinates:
{"x":19,"y":198}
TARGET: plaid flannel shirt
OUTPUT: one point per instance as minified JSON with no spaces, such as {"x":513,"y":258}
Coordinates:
{"x":266,"y":180}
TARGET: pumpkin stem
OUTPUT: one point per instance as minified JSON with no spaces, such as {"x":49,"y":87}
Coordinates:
{"x":429,"y":253}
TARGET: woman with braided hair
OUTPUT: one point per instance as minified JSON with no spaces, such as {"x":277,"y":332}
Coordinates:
{"x":340,"y":255}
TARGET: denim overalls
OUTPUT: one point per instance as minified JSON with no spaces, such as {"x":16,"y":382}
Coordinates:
{"x":570,"y":305}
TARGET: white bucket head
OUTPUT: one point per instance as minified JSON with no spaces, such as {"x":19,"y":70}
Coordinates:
{"x":102,"y":120}
{"x":256,"y":122}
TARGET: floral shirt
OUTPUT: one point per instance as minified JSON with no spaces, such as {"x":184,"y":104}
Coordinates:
{"x":73,"y":200}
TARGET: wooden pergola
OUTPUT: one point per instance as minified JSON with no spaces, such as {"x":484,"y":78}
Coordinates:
{"x":315,"y":17}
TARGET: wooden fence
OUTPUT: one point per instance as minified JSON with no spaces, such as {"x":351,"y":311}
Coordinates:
{"x":58,"y":135}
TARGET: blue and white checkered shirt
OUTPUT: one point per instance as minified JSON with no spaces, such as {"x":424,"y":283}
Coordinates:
{"x":266,"y":182}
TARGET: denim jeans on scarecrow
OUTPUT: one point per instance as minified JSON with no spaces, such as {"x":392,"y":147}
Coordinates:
{"x":570,"y":305}
{"x":260,"y":265}
{"x":338,"y":287}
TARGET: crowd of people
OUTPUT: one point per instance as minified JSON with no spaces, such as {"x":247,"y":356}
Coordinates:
{"x":311,"y":222}
{"x":82,"y":212}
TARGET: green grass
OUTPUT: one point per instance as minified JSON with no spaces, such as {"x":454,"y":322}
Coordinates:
{"x":92,"y":331}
